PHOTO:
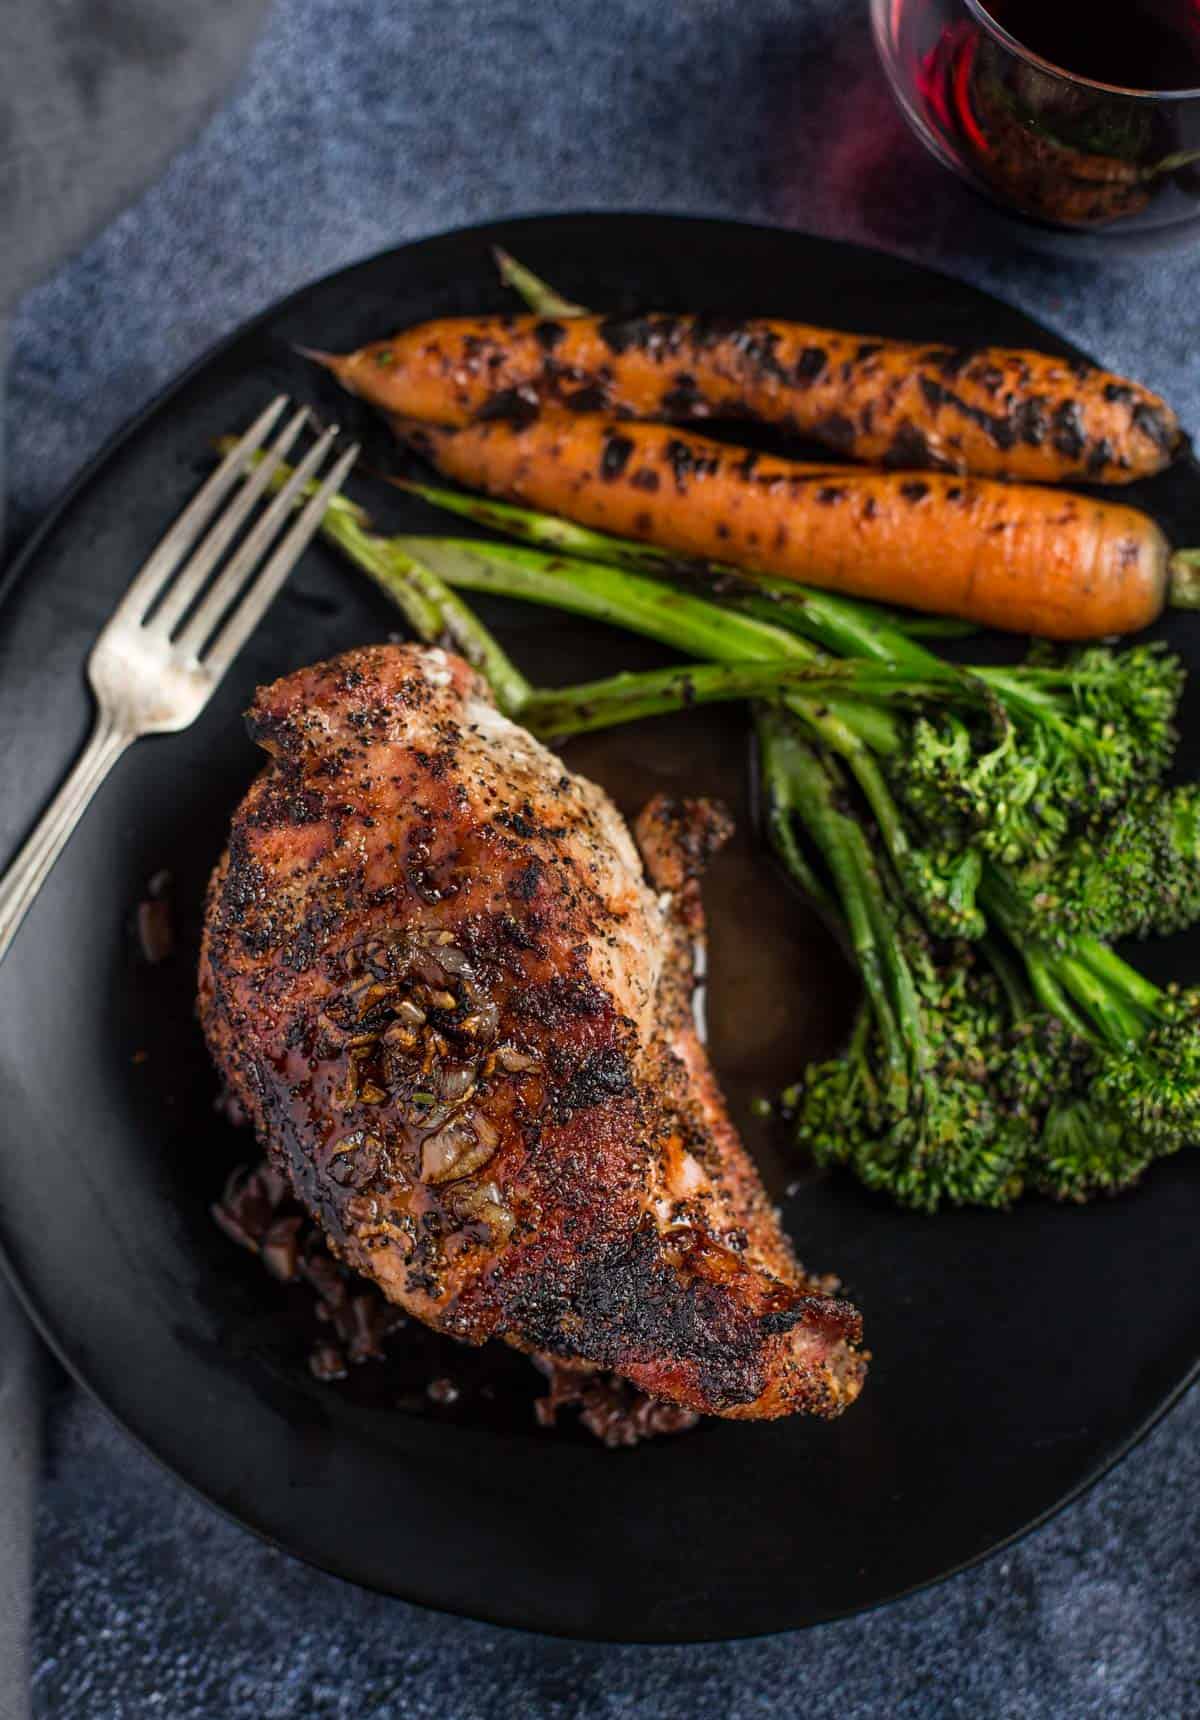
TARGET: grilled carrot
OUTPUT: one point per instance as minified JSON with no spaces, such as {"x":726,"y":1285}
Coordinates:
{"x":1020,"y":557}
{"x":993,"y":411}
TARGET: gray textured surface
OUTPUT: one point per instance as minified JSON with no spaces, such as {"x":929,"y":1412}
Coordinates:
{"x":95,"y":97}
{"x":148,"y":1604}
{"x":22,"y":1369}
{"x":362,"y":123}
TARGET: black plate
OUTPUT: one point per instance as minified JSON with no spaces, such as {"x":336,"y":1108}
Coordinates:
{"x":1015,"y":1357}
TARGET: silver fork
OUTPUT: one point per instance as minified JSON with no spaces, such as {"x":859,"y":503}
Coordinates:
{"x":173,"y":635}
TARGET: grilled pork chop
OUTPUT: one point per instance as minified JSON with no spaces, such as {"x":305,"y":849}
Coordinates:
{"x":437,"y":978}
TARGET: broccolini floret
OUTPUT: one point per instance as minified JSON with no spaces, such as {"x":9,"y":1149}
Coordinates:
{"x":1136,"y":875}
{"x":1050,"y":749}
{"x":977,"y":1072}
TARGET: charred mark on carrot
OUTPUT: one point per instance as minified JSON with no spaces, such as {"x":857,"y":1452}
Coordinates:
{"x":711,"y":328}
{"x":759,"y":347}
{"x":1033,"y":421}
{"x":1069,"y":436}
{"x":1000,"y":431}
{"x":516,"y":406}
{"x":838,"y":431}
{"x":809,"y":365}
{"x":615,"y":457}
{"x":949,"y":361}
{"x":620,"y":333}
{"x":686,"y":463}
{"x":683,"y":397}
{"x":592,"y":398}
{"x":909,"y":447}
{"x":1099,"y":457}
{"x":1151,"y":421}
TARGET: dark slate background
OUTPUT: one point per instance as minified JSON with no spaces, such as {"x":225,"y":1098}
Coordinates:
{"x":359,"y":124}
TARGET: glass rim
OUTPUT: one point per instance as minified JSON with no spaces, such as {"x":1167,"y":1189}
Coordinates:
{"x":1015,"y":46}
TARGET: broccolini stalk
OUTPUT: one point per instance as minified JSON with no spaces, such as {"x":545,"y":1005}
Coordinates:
{"x":626,"y":698}
{"x":675,"y":618}
{"x":779,"y":809}
{"x":411,"y":584}
{"x":808,"y":785}
{"x":603,"y":593}
{"x":909,"y":1106}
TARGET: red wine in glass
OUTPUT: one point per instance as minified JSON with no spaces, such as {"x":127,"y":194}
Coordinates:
{"x":1078,"y":113}
{"x":1132,"y":44}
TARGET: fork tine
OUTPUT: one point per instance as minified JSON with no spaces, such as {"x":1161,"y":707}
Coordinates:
{"x":190,"y":582}
{"x":255,"y":545}
{"x":179,"y":538}
{"x":255,"y":603}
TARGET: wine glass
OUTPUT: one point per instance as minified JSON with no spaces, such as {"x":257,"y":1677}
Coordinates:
{"x":1007,"y":97}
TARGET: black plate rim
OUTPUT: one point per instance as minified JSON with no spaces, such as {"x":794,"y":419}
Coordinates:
{"x":12,"y":577}
{"x":328,"y":1566}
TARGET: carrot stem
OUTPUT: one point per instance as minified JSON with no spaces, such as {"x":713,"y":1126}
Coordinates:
{"x":1183,"y":579}
{"x":541,"y":298}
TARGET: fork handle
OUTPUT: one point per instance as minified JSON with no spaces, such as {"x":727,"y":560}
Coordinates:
{"x":52,"y":832}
